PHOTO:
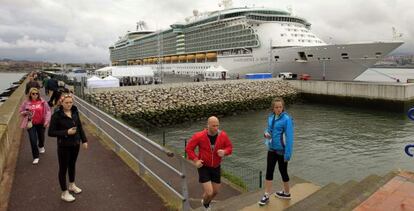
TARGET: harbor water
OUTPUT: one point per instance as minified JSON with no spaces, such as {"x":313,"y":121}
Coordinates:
{"x":332,"y":143}
{"x":6,"y":80}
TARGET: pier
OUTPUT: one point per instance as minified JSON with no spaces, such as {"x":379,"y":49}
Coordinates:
{"x":124,"y":170}
{"x":374,"y":95}
{"x":121,"y":170}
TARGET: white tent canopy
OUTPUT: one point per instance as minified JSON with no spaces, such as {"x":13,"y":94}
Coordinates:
{"x":95,"y":82}
{"x":134,"y":71}
{"x":103,"y":72}
{"x":216,"y":72}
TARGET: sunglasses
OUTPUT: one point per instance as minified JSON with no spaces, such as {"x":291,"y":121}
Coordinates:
{"x":34,"y":93}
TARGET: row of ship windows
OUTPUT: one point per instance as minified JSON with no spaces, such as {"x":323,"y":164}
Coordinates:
{"x":284,"y":19}
{"x":214,"y":32}
{"x":217,"y":41}
{"x":291,"y":24}
{"x":204,"y":28}
{"x":297,"y":30}
{"x":151,"y":43}
{"x":191,"y":35}
{"x":223,"y":35}
{"x":298,"y":35}
{"x":302,"y":40}
{"x":192,"y":68}
{"x":119,"y":55}
{"x":223,"y":46}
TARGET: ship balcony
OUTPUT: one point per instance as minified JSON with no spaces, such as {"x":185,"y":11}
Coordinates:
{"x":180,"y":44}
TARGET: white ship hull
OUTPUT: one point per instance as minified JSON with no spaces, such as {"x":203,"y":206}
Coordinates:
{"x":326,"y":61}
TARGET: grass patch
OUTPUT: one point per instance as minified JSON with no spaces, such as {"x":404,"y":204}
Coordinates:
{"x":234,"y":179}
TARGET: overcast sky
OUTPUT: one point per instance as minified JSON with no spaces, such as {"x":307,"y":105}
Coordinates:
{"x":82,"y":30}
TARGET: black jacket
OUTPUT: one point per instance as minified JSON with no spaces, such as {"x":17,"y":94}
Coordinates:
{"x":60,"y":124}
{"x":52,"y":84}
{"x":31,"y":84}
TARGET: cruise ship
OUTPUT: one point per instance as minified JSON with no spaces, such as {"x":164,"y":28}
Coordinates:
{"x":246,"y":40}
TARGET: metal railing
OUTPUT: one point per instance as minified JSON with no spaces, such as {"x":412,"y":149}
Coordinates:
{"x":150,"y":156}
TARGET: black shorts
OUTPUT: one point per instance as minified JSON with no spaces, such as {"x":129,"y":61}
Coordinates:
{"x":207,"y":174}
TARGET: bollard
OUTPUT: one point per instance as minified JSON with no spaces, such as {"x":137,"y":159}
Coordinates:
{"x":260,"y":179}
{"x":163,"y":138}
{"x":185,"y":145}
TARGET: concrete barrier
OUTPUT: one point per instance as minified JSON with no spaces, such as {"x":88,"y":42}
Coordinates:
{"x":389,"y":96}
{"x":10,"y":134}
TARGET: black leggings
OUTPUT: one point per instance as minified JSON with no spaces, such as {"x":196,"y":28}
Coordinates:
{"x":67,"y":156}
{"x":37,"y":132}
{"x":272,"y":158}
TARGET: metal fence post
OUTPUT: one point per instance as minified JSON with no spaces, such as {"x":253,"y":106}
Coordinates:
{"x":163,"y":138}
{"x":260,"y":179}
{"x":184,"y":188}
{"x":185,"y":146}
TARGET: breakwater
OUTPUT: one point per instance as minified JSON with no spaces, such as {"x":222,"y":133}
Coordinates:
{"x":168,"y":104}
{"x":397,"y":97}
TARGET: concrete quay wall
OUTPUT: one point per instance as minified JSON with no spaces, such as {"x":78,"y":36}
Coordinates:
{"x":394,"y":96}
{"x":10,"y":134}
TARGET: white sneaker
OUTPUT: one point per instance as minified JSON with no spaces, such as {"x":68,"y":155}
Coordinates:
{"x":42,"y":150}
{"x":205,"y":208}
{"x":72,"y":187}
{"x":66,"y":196}
{"x":35,"y":161}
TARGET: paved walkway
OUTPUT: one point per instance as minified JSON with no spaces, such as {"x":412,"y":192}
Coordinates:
{"x":107,"y":183}
{"x":397,"y":194}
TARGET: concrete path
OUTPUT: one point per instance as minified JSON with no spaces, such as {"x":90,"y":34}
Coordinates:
{"x":107,"y":183}
{"x":397,"y":194}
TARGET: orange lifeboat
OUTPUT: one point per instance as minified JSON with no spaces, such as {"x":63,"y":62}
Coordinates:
{"x":138,"y":61}
{"x":211,"y":55}
{"x":182,"y":58}
{"x":200,"y":56}
{"x":190,"y":57}
{"x":167,"y":59}
{"x":174,"y":58}
{"x":145,"y":61}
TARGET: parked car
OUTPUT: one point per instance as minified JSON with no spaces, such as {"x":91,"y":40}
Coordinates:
{"x":304,"y":77}
{"x":287,"y":75}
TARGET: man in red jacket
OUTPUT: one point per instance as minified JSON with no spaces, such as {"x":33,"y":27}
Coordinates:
{"x":213,"y":145}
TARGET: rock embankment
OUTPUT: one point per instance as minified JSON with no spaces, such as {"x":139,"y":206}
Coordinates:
{"x":168,"y":104}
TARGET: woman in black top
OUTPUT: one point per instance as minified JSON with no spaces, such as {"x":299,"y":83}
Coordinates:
{"x":66,"y":126}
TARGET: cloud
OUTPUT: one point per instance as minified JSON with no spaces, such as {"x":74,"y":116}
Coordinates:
{"x":82,"y":30}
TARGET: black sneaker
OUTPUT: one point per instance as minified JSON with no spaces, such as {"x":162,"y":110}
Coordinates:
{"x":264,"y":200}
{"x":204,"y":206}
{"x":282,"y":195}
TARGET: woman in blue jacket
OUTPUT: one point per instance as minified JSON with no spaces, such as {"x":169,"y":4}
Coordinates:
{"x":279,"y":138}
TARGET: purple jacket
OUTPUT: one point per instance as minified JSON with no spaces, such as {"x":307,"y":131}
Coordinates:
{"x":25,"y":105}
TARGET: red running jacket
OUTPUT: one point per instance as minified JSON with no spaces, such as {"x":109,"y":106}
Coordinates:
{"x":209,"y":156}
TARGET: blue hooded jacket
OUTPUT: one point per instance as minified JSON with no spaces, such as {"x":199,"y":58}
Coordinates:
{"x":283,"y":124}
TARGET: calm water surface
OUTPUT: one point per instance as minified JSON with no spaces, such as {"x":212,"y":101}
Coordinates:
{"x":332,"y":143}
{"x":6,"y":79}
